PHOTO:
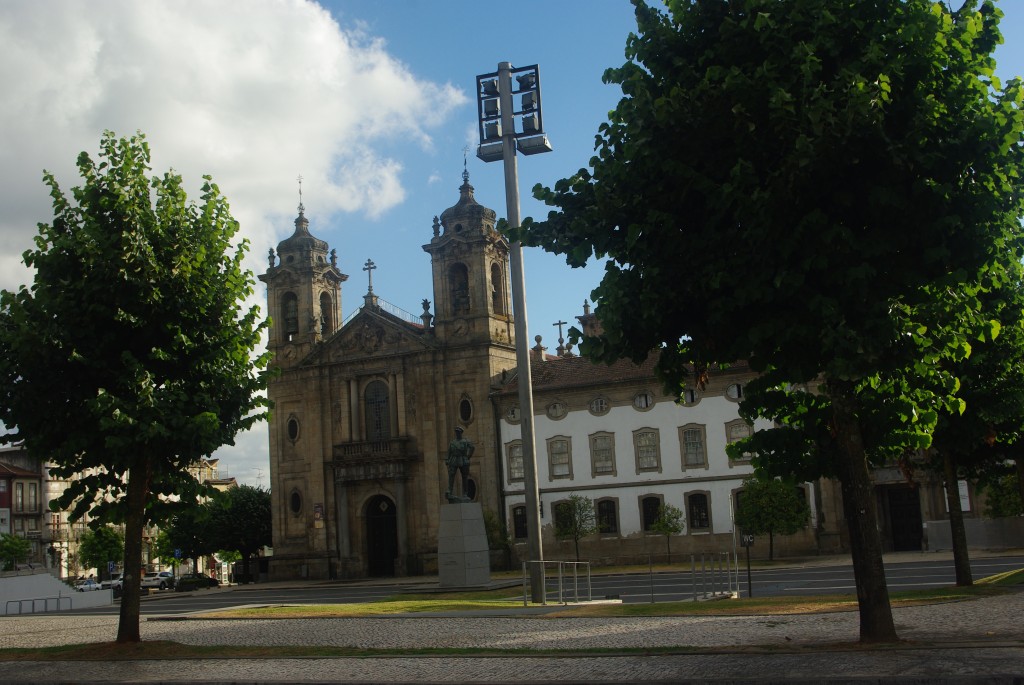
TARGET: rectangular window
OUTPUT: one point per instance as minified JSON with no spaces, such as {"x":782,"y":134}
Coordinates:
{"x":559,"y":463}
{"x":607,"y":516}
{"x":514,"y":451}
{"x":649,"y":509}
{"x":648,"y":452}
{"x":3,"y":486}
{"x":33,"y":497}
{"x":700,"y":513}
{"x":734,"y":432}
{"x":19,"y":497}
{"x":691,"y":439}
{"x":519,"y":522}
{"x":602,"y":454}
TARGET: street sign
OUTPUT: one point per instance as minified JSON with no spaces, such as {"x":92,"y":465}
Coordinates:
{"x":110,"y":567}
{"x":746,"y":540}
{"x":177,"y":553}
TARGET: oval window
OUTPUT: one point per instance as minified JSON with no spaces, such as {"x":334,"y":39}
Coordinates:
{"x":293,"y":429}
{"x":466,"y":410}
{"x":295,"y":502}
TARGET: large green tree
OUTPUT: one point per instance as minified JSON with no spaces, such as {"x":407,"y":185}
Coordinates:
{"x":131,"y":355}
{"x":99,"y":546}
{"x":771,"y":506}
{"x":240,"y":520}
{"x":977,"y":442}
{"x":818,"y":186}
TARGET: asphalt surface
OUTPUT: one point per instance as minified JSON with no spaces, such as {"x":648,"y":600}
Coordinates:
{"x":978,"y":641}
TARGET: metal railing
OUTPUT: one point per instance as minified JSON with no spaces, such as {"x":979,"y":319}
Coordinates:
{"x":35,"y":602}
{"x":561,"y":580}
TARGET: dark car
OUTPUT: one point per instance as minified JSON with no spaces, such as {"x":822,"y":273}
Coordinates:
{"x":195,"y":581}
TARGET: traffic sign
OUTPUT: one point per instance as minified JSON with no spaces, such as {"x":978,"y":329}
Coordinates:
{"x":746,"y":540}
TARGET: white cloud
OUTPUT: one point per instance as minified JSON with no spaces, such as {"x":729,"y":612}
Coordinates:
{"x":253,"y":93}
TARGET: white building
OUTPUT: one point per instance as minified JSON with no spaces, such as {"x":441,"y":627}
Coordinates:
{"x":611,"y":434}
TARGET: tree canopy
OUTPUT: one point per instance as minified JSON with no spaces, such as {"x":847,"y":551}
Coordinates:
{"x":821,"y":188}
{"x":99,"y":546}
{"x":239,"y":519}
{"x":771,"y":506}
{"x":131,"y":356}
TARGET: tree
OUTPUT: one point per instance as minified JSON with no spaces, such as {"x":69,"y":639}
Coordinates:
{"x":820,"y":188}
{"x":131,"y":356}
{"x":240,"y":520}
{"x":668,"y":523}
{"x":1002,"y":496}
{"x":575,"y":520}
{"x":101,"y":545}
{"x":188,"y":533}
{"x":771,"y":506}
{"x":13,"y":551}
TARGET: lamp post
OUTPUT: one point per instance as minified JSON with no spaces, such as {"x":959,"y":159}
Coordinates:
{"x":499,"y":139}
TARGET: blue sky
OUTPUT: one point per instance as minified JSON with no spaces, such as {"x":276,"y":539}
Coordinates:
{"x":371,"y":101}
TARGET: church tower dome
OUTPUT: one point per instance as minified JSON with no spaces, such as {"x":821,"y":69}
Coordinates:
{"x":469,"y":259}
{"x":303,"y":292}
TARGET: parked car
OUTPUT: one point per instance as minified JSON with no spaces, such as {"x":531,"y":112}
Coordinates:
{"x":87,"y":585}
{"x":195,"y":581}
{"x":112,"y":583}
{"x":158,"y":579}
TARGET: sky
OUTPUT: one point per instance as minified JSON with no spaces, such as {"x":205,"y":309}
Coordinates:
{"x":371,"y":102}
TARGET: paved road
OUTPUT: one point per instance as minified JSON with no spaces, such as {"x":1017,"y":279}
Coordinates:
{"x":980,"y":641}
{"x":972,"y":642}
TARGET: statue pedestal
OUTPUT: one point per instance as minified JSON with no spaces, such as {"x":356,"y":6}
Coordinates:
{"x":463,"y":559}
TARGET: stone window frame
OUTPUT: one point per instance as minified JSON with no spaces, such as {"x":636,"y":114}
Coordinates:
{"x":614,"y":503}
{"x":295,"y":502}
{"x":644,"y":400}
{"x":599,"y":406}
{"x":557,"y":410}
{"x":734,"y":392}
{"x":594,"y":473}
{"x":683,"y":463}
{"x":690,"y":397}
{"x":637,"y":435}
{"x":730,"y":438}
{"x":691,"y":525}
{"x":645,"y":525}
{"x":510,"y":457}
{"x":519,"y":514}
{"x":292,"y":420}
{"x":467,"y":412}
{"x":568,"y":456}
{"x":513,"y":415}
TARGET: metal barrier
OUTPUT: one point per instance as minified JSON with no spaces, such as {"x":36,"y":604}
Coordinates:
{"x":561,"y":580}
{"x":33,"y":603}
{"x":714,"y":579}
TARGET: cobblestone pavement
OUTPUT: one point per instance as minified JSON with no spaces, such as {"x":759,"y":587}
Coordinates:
{"x":972,"y":641}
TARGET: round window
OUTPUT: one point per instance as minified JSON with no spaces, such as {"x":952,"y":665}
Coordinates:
{"x":295,"y":502}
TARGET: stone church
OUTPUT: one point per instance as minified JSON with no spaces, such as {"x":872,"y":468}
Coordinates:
{"x":364,"y":410}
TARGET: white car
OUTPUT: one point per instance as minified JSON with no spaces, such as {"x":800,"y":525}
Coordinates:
{"x":87,"y":585}
{"x":114,"y":582}
{"x":158,"y":579}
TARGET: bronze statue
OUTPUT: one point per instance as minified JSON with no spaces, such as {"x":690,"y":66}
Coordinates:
{"x":459,"y":452}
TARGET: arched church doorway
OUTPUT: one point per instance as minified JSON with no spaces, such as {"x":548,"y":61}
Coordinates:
{"x":381,"y":536}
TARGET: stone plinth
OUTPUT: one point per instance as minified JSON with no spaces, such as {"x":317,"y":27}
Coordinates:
{"x":463,"y":559}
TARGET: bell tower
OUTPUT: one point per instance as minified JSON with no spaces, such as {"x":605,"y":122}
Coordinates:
{"x":469,"y":261}
{"x":303,"y":293}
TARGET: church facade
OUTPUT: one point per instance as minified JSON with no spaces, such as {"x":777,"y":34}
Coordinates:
{"x":363,"y":413}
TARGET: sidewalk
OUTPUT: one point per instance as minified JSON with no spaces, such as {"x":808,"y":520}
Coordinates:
{"x":974,"y":642}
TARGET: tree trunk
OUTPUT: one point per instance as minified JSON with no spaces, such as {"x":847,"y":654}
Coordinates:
{"x":1020,"y":478}
{"x":131,"y":591}
{"x":876,"y":623}
{"x":668,"y":548}
{"x":771,"y":546}
{"x":961,"y":559}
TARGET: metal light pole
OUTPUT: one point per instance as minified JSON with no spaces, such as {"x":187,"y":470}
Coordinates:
{"x":499,"y":140}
